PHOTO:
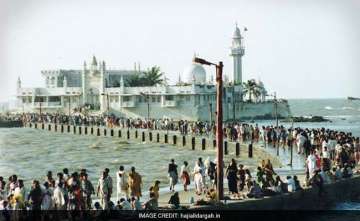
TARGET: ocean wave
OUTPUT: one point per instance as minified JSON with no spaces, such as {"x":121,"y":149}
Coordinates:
{"x":338,"y":116}
{"x":329,"y":108}
{"x":347,"y":108}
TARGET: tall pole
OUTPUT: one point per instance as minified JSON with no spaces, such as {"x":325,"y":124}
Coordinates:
{"x":219,"y":132}
{"x":277,"y":123}
{"x":210,"y":111}
{"x":40,"y":108}
{"x":234,"y":99}
{"x":148,"y":107}
{"x":291,"y":145}
{"x":107,"y":98}
{"x":276,"y":111}
{"x":69,"y":107}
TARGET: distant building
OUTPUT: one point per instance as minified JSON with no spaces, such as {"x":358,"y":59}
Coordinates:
{"x":105,"y":91}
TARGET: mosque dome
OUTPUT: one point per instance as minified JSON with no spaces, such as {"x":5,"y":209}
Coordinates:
{"x":195,"y":72}
{"x":260,"y":83}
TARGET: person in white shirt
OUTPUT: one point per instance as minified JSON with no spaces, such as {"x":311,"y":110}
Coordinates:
{"x":58,"y":197}
{"x":291,"y":184}
{"x":311,"y":163}
{"x":300,"y":141}
{"x":122,"y":184}
{"x":324,"y":144}
{"x":198,"y":178}
{"x":325,"y":153}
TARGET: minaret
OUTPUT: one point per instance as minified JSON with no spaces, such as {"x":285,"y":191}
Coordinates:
{"x":237,"y":51}
{"x":122,"y":85}
{"x":83,"y":84}
{"x":102,"y":87}
{"x":93,"y":64}
{"x":18,"y":83}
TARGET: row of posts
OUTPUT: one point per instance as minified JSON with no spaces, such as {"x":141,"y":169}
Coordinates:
{"x":166,"y":137}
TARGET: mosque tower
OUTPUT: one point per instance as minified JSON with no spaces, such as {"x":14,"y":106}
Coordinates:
{"x":83,"y":84}
{"x":94,"y":65}
{"x":237,"y":51}
{"x":18,"y":83}
{"x":102,"y":87}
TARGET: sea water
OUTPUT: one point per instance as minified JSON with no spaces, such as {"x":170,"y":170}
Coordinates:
{"x":31,"y":153}
{"x":345,"y":116}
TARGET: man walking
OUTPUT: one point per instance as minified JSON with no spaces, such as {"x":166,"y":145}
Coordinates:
{"x":103,"y":189}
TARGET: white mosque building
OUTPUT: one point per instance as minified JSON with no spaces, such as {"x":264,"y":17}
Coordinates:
{"x":104,"y":91}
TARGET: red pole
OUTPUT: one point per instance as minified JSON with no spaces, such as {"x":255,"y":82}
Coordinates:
{"x":219,"y":132}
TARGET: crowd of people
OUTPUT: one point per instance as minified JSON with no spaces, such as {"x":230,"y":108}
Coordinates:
{"x":111,"y":121}
{"x":304,"y":139}
{"x":72,"y":191}
{"x":75,"y":191}
{"x":329,"y":155}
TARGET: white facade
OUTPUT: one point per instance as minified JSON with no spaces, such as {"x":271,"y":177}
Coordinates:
{"x":105,"y":91}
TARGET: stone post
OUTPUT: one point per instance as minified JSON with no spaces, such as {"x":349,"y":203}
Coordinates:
{"x":193,"y":143}
{"x":237,"y":147}
{"x":203,"y":143}
{"x":226,"y":147}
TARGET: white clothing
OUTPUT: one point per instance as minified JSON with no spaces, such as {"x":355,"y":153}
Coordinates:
{"x":198,"y":178}
{"x":338,"y":147}
{"x":122,"y":185}
{"x":323,"y":145}
{"x":291,"y":185}
{"x":20,"y":191}
{"x":325,"y":154}
{"x":65,"y":176}
{"x":300,"y":140}
{"x":311,"y":164}
{"x":58,"y":198}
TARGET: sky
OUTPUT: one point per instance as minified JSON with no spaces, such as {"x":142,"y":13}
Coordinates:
{"x":300,"y":49}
